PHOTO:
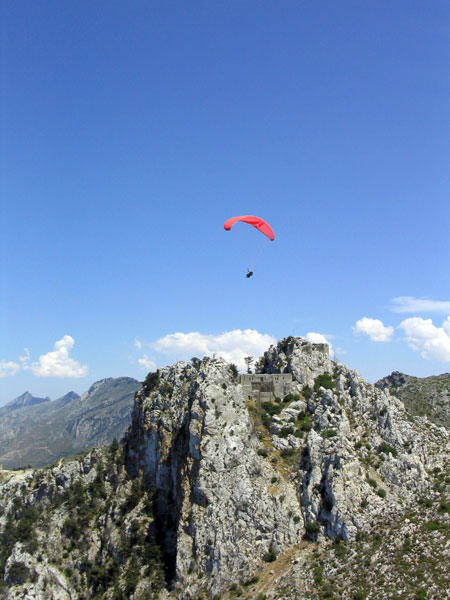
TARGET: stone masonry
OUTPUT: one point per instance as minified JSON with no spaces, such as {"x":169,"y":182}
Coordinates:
{"x":266,"y":387}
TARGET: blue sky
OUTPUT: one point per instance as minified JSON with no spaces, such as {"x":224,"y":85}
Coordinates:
{"x":132,"y":131}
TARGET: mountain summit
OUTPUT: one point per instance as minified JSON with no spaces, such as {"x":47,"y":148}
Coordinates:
{"x":25,"y":399}
{"x":298,"y":481}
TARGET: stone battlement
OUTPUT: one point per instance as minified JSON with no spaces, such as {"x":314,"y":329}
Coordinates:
{"x":263,"y":387}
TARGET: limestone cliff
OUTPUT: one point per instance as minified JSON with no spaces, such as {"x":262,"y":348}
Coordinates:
{"x":228,"y":494}
{"x":216,"y":502}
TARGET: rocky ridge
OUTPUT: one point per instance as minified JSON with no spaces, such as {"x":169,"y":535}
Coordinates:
{"x":422,"y":396}
{"x":25,"y":399}
{"x":38,"y":433}
{"x":265,"y":500}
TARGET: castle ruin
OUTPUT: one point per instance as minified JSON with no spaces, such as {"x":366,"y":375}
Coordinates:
{"x":265,"y":388}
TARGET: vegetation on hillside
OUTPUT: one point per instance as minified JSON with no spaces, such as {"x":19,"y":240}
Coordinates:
{"x":106,"y":546}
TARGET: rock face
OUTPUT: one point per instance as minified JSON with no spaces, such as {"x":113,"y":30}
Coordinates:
{"x":225,"y":484}
{"x":304,"y":360}
{"x":216,"y":501}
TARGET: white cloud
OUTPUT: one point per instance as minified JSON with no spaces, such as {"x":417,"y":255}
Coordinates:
{"x":446,"y":326}
{"x":58,"y":363}
{"x":233,"y":345}
{"x":25,"y":357}
{"x":137,"y":343}
{"x":374,"y":328}
{"x":8,"y":368}
{"x":408,"y":304}
{"x":146,"y":363}
{"x":317,"y":338}
{"x":432,"y":342}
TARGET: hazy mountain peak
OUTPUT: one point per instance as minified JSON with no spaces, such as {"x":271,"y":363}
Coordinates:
{"x":26,"y":399}
{"x":67,"y":398}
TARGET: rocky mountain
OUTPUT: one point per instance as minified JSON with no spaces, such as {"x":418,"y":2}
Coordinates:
{"x":36,"y":431}
{"x":25,"y":399}
{"x":422,"y":396}
{"x":221,"y":490}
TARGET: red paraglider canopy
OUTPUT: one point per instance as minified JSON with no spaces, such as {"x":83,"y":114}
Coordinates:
{"x":251,"y":220}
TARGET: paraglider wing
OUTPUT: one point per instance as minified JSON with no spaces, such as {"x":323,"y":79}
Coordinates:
{"x":257,"y":222}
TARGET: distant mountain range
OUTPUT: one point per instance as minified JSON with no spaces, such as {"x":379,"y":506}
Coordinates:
{"x":37,"y":431}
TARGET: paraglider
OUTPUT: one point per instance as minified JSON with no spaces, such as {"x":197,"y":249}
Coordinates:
{"x":256,"y":222}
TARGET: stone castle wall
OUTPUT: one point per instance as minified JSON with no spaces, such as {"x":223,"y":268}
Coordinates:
{"x":265,"y":387}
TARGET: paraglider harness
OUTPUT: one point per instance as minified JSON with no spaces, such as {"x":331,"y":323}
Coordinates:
{"x":249,"y":273}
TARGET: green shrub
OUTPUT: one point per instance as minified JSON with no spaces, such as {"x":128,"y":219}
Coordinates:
{"x":97,"y":488}
{"x":113,"y":447}
{"x":381,"y":493}
{"x":270,"y":556}
{"x":407,"y":546}
{"x":318,"y":574}
{"x":312,"y":528}
{"x":307,"y":392}
{"x":25,"y":524}
{"x":386,"y":449}
{"x":71,"y":529}
{"x":291,"y":398}
{"x":234,"y":371}
{"x":19,"y":573}
{"x":304,"y":422}
{"x":196,"y":362}
{"x":286,"y":431}
{"x":151,"y":382}
{"x":270,"y":408}
{"x":167,"y":389}
{"x":266,"y":420}
{"x":134,"y":495}
{"x":324,"y":381}
{"x":426,"y":502}
{"x":287,"y":452}
{"x":328,"y":433}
